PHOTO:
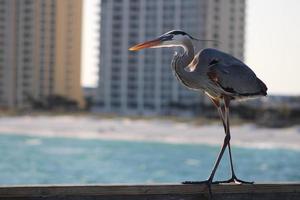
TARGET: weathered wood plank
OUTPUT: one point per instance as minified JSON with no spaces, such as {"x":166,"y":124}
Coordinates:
{"x":287,"y":191}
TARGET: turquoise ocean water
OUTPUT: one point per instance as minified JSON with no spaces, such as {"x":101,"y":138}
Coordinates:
{"x":35,"y":160}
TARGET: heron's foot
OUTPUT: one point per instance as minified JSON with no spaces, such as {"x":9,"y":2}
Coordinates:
{"x":235,"y":180}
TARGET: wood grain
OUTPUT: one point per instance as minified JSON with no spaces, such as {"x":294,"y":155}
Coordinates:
{"x":282,"y":191}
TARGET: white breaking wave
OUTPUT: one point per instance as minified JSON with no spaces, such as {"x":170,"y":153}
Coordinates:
{"x":33,"y":142}
{"x":88,"y":127}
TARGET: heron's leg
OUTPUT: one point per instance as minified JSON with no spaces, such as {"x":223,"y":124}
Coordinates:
{"x":209,"y":181}
{"x":216,"y":102}
{"x":217,"y":162}
{"x":233,"y":178}
{"x":224,"y":122}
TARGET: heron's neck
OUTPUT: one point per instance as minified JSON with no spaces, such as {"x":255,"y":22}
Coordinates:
{"x":181,"y":61}
{"x":187,"y":56}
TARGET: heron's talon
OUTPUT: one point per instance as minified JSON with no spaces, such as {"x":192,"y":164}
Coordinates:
{"x":233,"y":180}
{"x":238,"y":181}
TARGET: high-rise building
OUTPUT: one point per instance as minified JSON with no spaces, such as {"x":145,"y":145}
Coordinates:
{"x":40,"y":50}
{"x":142,"y":82}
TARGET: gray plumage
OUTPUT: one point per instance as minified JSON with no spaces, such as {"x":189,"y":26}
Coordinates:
{"x":216,"y":73}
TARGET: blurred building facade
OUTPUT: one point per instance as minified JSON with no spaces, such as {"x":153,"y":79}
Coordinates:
{"x":40,"y":50}
{"x":142,"y":82}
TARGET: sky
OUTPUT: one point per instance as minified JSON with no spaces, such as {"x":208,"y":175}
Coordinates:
{"x":272,"y":45}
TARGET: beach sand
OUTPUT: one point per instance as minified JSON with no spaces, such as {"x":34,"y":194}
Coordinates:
{"x":89,"y":127}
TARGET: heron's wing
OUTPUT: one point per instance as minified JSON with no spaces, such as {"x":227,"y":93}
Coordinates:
{"x":210,"y":56}
{"x":235,"y":78}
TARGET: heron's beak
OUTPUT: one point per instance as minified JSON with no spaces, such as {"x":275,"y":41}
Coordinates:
{"x":148,"y":44}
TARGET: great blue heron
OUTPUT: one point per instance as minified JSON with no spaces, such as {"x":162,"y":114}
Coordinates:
{"x":221,"y":76}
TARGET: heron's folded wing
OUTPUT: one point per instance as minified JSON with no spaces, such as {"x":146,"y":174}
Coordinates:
{"x":236,"y":78}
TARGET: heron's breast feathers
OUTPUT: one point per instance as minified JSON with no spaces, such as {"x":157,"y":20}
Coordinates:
{"x":194,"y":63}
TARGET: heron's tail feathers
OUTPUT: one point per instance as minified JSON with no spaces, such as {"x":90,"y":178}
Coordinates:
{"x":263,"y":87}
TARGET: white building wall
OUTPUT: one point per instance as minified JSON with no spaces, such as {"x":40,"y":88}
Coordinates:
{"x":142,"y":82}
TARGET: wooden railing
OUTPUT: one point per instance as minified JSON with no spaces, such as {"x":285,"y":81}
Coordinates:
{"x":282,"y":191}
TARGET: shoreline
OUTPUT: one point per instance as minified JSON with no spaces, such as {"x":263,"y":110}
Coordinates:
{"x":149,"y":130}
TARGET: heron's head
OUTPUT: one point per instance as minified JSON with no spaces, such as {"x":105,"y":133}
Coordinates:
{"x":170,"y":39}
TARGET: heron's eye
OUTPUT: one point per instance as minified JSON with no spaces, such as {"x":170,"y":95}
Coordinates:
{"x":166,"y":37}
